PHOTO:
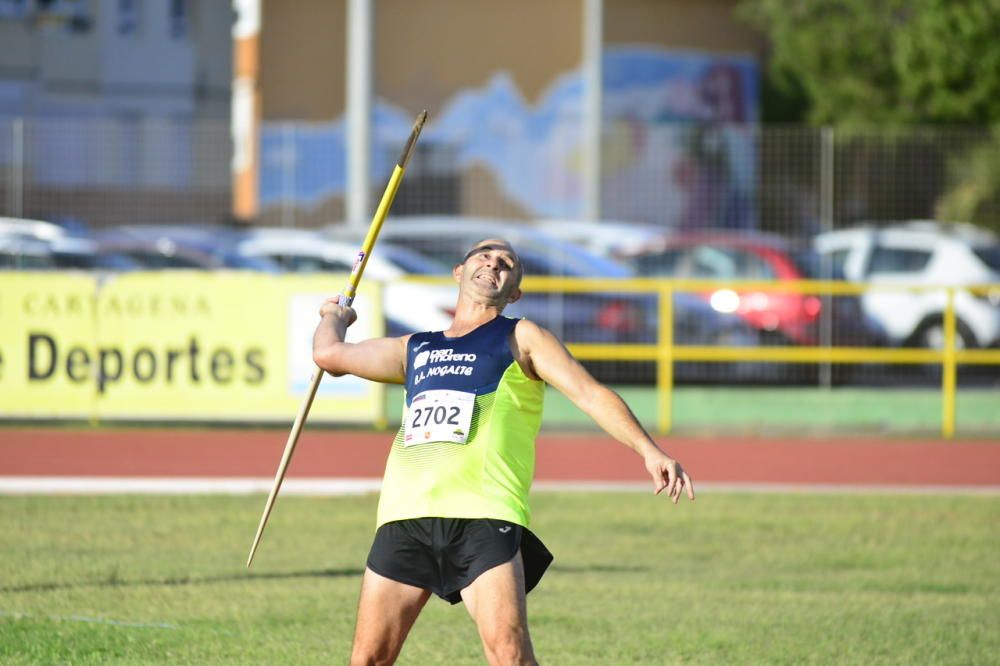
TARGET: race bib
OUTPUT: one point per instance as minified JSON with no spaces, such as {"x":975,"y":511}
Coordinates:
{"x":439,"y":416}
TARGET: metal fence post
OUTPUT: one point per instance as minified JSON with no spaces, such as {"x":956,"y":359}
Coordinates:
{"x":948,"y":374}
{"x":593,"y":95}
{"x":665,"y":361}
{"x":17,"y":169}
{"x":826,"y":194}
{"x":288,"y":159}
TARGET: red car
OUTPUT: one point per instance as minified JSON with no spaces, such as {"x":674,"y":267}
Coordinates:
{"x":782,"y":317}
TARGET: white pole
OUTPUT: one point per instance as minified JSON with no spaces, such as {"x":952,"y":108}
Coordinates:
{"x":593,"y":95}
{"x":359,"y":112}
{"x":245,"y":108}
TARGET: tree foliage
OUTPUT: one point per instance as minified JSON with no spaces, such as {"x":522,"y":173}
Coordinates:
{"x":974,"y":195}
{"x":889,"y":62}
{"x":893,"y":64}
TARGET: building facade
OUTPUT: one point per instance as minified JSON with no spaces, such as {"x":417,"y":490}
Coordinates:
{"x":109,"y":109}
{"x":501,"y":83}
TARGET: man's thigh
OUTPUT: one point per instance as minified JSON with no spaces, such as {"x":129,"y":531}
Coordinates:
{"x":387,"y":610}
{"x":496,"y":601}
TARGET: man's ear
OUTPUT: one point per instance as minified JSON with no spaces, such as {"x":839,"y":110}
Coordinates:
{"x":456,"y":272}
{"x":514,"y":295}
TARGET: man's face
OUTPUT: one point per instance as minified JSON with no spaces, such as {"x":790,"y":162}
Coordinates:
{"x":491,"y":270}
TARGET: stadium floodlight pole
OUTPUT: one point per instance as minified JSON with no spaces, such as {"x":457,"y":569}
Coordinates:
{"x":347,"y":297}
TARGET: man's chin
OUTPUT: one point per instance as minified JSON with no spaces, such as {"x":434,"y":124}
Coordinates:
{"x":488,"y":295}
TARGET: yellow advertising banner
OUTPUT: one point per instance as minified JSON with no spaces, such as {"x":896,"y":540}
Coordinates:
{"x":175,"y":346}
{"x":47,"y":334}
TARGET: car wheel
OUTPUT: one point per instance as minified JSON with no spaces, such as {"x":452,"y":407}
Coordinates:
{"x":931,"y":335}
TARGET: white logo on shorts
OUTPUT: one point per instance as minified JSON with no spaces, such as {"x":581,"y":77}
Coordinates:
{"x":504,"y":530}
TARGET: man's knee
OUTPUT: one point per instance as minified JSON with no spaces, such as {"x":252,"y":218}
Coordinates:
{"x":508,"y":646}
{"x":372,"y":653}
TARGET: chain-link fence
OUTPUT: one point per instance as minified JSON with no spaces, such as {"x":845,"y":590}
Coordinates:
{"x":680,"y":200}
{"x":104,"y":172}
{"x":680,"y":177}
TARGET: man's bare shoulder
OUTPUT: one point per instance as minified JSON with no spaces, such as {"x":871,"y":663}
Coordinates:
{"x":526,"y":331}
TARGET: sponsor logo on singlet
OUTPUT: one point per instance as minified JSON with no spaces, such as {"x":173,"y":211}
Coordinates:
{"x":437,"y":358}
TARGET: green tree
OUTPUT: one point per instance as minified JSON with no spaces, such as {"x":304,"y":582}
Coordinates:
{"x":974,"y":195}
{"x":889,"y":62}
{"x":894,"y":64}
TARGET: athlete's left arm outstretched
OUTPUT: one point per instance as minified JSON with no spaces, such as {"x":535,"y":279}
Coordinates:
{"x":544,"y":357}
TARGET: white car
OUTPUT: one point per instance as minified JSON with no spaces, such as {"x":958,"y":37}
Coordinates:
{"x":408,"y":307}
{"x":922,"y":253}
{"x":607,"y":238}
{"x":36,"y":244}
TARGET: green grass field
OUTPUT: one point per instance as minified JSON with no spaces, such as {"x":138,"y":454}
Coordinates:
{"x":730,"y":579}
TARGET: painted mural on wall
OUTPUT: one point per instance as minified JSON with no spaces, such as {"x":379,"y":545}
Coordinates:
{"x":678,"y":142}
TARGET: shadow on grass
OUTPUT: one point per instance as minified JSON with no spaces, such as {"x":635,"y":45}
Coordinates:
{"x":114,"y":581}
{"x":598,"y":568}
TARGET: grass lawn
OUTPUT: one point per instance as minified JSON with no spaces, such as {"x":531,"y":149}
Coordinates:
{"x":730,"y":579}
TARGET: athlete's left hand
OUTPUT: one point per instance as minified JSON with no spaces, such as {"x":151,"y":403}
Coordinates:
{"x":668,"y":475}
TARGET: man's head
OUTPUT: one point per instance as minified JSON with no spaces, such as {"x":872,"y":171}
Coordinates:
{"x":491,"y":270}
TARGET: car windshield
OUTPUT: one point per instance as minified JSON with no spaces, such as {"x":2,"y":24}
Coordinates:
{"x":152,"y":259}
{"x":240,"y":262}
{"x":552,"y":259}
{"x":412,"y":262}
{"x":666,"y":263}
{"x":20,"y":261}
{"x":810,"y":265}
{"x":989,"y":255}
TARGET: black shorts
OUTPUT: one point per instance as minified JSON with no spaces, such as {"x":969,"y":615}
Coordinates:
{"x":444,"y":555}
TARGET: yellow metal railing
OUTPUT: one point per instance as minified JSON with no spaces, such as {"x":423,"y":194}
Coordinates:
{"x":665,"y":353}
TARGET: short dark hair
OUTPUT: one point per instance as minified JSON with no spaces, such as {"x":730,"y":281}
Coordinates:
{"x":518,"y":266}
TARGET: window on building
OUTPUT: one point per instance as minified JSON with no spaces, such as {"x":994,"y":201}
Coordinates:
{"x":179,"y":19}
{"x":14,"y":8}
{"x":129,"y":14}
{"x":80,"y":19}
{"x":74,"y":15}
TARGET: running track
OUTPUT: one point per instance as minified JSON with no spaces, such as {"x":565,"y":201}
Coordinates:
{"x":588,"y":458}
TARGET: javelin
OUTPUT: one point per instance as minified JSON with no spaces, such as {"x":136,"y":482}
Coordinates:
{"x":346,"y":298}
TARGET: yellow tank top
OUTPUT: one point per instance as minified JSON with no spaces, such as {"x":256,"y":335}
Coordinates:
{"x":485,"y":467}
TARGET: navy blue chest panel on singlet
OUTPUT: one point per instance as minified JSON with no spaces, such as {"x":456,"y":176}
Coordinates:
{"x":473,"y":363}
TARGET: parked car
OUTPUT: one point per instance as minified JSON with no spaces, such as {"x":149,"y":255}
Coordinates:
{"x":780,"y":317}
{"x":27,"y":244}
{"x":572,"y":317}
{"x":25,"y":254}
{"x":604,"y":237}
{"x":169,"y":247}
{"x":408,"y":307}
{"x":581,"y":317}
{"x":922,"y":253}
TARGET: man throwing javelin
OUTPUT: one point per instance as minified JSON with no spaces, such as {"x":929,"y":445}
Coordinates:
{"x":453,"y":513}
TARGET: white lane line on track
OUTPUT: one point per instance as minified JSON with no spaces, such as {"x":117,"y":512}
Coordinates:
{"x":71,"y":485}
{"x":83,"y":618}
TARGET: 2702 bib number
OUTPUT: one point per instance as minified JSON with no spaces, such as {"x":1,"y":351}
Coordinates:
{"x":439,"y":416}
